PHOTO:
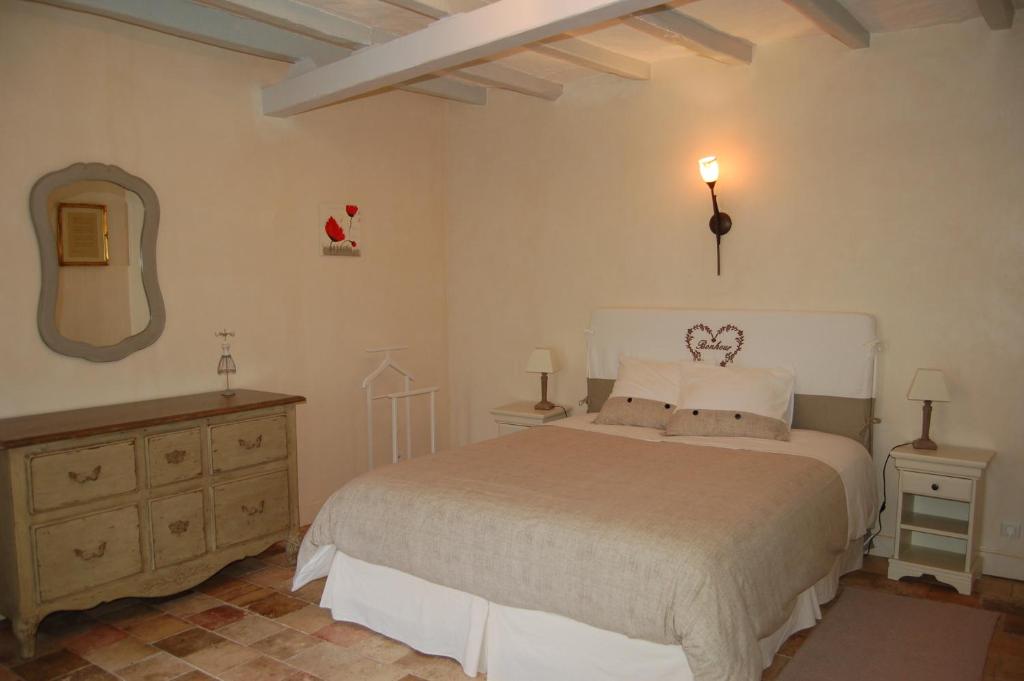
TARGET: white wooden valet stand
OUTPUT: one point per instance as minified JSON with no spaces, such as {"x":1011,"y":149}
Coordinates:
{"x":941,"y":496}
{"x":388,"y":363}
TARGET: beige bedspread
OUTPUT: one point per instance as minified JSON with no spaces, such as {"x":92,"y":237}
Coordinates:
{"x":671,"y":543}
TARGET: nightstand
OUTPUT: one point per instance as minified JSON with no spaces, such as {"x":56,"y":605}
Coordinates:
{"x":517,"y":416}
{"x":939,"y":505}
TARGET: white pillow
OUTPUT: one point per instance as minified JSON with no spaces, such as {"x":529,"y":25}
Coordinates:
{"x":647,"y":380}
{"x":766,"y":392}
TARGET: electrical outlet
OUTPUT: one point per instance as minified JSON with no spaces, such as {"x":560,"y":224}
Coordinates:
{"x":1009,"y":530}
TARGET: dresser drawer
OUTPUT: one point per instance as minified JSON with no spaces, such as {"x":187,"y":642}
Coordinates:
{"x":251,"y":508}
{"x":75,"y":476}
{"x":247,"y":443}
{"x":935,"y":485}
{"x":77,"y":555}
{"x":177,"y":524}
{"x":173,"y":457}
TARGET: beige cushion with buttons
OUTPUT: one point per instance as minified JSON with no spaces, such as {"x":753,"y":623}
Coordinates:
{"x":634,"y":411}
{"x":722,"y":423}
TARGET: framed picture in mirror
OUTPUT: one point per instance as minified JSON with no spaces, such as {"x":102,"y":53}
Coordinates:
{"x":82,"y":234}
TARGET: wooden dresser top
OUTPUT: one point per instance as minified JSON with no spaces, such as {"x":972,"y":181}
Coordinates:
{"x":22,"y":431}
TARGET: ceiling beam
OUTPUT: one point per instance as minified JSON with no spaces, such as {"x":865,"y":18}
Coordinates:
{"x":565,"y":48}
{"x":299,"y":18}
{"x":998,"y":13}
{"x":210,"y":26}
{"x":448,"y":88}
{"x":676,"y":27}
{"x":206,"y":25}
{"x":435,"y":9}
{"x":834,"y":19}
{"x":459,"y":39}
{"x":501,"y":76}
{"x":309,"y":21}
{"x":594,"y":57}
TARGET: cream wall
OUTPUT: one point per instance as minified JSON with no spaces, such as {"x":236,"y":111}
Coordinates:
{"x":885,"y":180}
{"x":239,"y":194}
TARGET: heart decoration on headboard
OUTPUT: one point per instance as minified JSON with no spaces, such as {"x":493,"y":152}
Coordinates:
{"x":724,"y":343}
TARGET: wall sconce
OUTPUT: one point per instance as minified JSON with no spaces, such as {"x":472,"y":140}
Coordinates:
{"x":720,"y":222}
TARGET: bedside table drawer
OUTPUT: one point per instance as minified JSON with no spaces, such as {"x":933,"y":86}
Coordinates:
{"x":508,"y":428}
{"x":936,"y":485}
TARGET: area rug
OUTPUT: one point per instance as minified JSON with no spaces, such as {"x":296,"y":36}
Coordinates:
{"x":882,"y":637}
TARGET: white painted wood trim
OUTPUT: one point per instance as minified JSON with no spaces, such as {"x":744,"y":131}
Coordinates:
{"x":315,"y":23}
{"x":213,"y":27}
{"x":707,"y":41}
{"x":832,"y":18}
{"x":588,"y":55}
{"x":451,"y":42}
{"x":998,"y":14}
{"x":572,"y":50}
{"x":883,"y":546}
{"x":963,"y":582}
{"x":450,"y":89}
{"x":299,"y":18}
{"x":501,"y":76}
{"x":1002,"y":565}
{"x":993,"y":563}
{"x":435,"y":9}
{"x":207,"y":25}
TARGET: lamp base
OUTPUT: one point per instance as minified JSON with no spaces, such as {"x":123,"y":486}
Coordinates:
{"x":925,"y":442}
{"x":544,"y":405}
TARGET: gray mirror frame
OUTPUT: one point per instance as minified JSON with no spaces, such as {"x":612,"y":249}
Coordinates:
{"x":50,"y":268}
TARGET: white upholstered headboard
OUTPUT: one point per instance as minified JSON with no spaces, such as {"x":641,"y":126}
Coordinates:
{"x":832,"y":353}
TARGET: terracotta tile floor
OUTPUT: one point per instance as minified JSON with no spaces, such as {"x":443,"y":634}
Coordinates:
{"x":244,"y":625}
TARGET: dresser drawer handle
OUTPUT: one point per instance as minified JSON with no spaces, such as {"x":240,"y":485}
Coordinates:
{"x":178,"y":527}
{"x":82,"y":478}
{"x":935,"y":487}
{"x":251,"y":444}
{"x":254,"y":510}
{"x":175,"y":456}
{"x":92,"y":555}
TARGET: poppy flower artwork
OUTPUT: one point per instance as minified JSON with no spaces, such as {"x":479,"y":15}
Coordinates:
{"x":339,"y":229}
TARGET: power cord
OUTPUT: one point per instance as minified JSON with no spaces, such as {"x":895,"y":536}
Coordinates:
{"x":881,"y":509}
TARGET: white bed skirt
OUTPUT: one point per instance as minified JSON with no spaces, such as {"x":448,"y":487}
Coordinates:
{"x":513,"y":644}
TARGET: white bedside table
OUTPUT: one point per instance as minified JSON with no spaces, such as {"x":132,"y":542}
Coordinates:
{"x":941,"y":496}
{"x":517,"y":416}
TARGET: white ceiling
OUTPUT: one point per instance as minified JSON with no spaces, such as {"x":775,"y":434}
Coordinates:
{"x":758,"y":21}
{"x":303,"y":32}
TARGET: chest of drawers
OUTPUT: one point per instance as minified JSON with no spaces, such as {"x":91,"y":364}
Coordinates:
{"x":141,"y":499}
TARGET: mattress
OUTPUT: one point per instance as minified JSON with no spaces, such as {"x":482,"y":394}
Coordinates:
{"x":849,"y":462}
{"x":847,"y":457}
{"x":515,"y":644}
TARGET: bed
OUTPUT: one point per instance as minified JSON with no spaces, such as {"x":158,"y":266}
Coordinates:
{"x":616,"y":552}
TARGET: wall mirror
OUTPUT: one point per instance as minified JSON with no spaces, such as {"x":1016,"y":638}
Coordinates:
{"x":97,"y":228}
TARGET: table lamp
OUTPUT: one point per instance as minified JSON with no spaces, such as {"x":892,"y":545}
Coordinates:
{"x":542,"y":362}
{"x":929,"y":385}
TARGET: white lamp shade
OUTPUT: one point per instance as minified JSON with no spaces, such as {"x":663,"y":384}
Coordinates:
{"x":929,"y":384}
{"x":541,"y":361}
{"x":709,"y":168}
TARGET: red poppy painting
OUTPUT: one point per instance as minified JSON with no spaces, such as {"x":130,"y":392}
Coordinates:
{"x":339,"y":228}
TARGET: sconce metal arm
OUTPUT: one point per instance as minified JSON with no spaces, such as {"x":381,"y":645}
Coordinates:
{"x":720,"y":225}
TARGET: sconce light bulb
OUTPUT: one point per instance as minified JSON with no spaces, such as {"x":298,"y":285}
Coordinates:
{"x":709,"y":168}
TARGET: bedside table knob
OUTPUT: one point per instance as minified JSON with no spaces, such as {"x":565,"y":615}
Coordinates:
{"x":935,"y":486}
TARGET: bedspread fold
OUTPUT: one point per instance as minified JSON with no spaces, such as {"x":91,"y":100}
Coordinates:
{"x":672,"y":543}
